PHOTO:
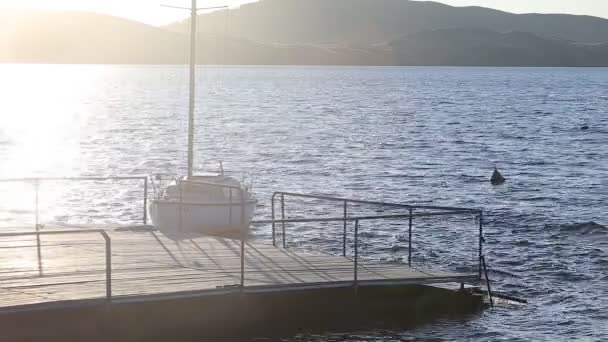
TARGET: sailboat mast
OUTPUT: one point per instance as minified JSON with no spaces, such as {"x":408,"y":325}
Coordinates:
{"x":193,"y":13}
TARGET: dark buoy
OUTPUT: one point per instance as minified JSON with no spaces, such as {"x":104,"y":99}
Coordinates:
{"x":584,"y":128}
{"x":497,"y":178}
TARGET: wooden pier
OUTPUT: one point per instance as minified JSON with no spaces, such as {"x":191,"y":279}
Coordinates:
{"x":120,"y":283}
{"x":65,"y":267}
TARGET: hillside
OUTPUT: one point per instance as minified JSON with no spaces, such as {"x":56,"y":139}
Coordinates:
{"x":72,"y":37}
{"x":481,"y":47}
{"x":374,"y":32}
{"x":76,"y":37}
{"x":377,"y":21}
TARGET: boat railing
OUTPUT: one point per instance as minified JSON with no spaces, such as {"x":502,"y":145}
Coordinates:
{"x":231,"y":203}
{"x":36,"y":182}
{"x":237,"y":196}
{"x":403,"y":212}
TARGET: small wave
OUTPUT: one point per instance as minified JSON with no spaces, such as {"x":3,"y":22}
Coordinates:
{"x":537,"y":199}
{"x":537,"y":163}
{"x":397,"y":248}
{"x":474,"y":179}
{"x":11,"y":211}
{"x":586,"y":228}
{"x":302,"y":161}
{"x":503,"y":273}
{"x":512,"y":262}
{"x":403,"y":176}
{"x":560,"y":299}
{"x":601,"y":262}
{"x":367,"y":235}
{"x":571,"y":276}
{"x":523,"y":243}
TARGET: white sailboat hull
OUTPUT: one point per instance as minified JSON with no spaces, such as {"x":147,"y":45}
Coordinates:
{"x":192,"y":219}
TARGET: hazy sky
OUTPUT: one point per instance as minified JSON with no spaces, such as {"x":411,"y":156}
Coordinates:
{"x":151,"y":12}
{"x":148,"y":11}
{"x":597,"y":8}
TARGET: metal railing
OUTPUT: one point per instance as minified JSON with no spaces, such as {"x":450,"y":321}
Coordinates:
{"x":410,"y":213}
{"x":485,"y":269}
{"x":104,"y":234}
{"x":38,"y":181}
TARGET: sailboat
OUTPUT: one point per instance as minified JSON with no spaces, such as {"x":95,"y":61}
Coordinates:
{"x":194,"y":205}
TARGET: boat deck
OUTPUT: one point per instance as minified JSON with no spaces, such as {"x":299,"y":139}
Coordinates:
{"x":64,"y":269}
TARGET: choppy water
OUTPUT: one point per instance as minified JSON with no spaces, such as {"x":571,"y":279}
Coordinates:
{"x":423,"y":135}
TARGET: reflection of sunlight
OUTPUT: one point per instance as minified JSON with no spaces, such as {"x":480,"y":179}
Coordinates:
{"x":17,"y":197}
{"x":41,"y":117}
{"x":38,"y":118}
{"x":26,"y":259}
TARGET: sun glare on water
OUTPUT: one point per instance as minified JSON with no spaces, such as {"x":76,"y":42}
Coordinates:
{"x":41,"y":116}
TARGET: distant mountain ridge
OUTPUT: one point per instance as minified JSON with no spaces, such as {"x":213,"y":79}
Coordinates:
{"x":378,"y":21}
{"x":335,"y":32}
{"x":88,"y":38}
{"x":81,"y":37}
{"x":482,"y":47}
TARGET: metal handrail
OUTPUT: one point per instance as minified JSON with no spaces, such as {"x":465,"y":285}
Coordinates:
{"x":485,"y":268}
{"x":439,"y":211}
{"x":217,"y":204}
{"x":104,"y":234}
{"x":481,"y":241}
{"x":210,"y":184}
{"x":386,"y":204}
{"x":38,"y":180}
{"x":410,"y":214}
{"x":356,"y":262}
{"x":33,"y":179}
{"x":354,"y":218}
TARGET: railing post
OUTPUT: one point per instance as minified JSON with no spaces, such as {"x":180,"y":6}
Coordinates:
{"x":37,"y":223}
{"x":485,"y":268}
{"x":283,"y":219}
{"x":409,"y":240}
{"x":242,"y":193}
{"x":242,"y":261}
{"x":145,"y":201}
{"x":243,"y":237}
{"x":181,"y":205}
{"x":344,"y":234}
{"x":274,"y":240}
{"x":230,"y":208}
{"x":37,"y":203}
{"x":356,"y":274}
{"x":480,"y":241}
{"x":108,"y":241}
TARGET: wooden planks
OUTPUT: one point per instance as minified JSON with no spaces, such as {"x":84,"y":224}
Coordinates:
{"x":72,"y":267}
